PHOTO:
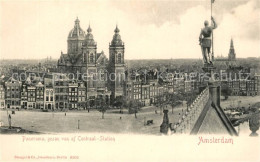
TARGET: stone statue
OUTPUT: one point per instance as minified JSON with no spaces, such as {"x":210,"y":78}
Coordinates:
{"x":205,"y":40}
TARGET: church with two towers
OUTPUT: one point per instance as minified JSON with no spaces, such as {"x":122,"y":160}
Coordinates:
{"x":102,"y":76}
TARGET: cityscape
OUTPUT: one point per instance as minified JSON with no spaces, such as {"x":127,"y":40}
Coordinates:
{"x":84,"y":86}
{"x":88,"y":89}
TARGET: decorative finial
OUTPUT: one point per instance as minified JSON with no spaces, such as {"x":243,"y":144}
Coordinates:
{"x":89,"y":29}
{"x":77,"y":21}
{"x":117,"y":30}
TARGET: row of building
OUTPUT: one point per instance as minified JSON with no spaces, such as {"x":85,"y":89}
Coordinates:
{"x":62,"y":94}
{"x":65,"y":93}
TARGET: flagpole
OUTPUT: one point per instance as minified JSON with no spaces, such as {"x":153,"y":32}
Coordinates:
{"x":212,"y":57}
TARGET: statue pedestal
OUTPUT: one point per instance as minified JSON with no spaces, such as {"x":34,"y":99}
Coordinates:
{"x":208,"y":68}
{"x":215,"y":91}
{"x":214,"y":85}
{"x":253,"y":134}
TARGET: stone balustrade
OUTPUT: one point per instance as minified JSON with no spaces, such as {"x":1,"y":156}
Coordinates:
{"x":188,"y":119}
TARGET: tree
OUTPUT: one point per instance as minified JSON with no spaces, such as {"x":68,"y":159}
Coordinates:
{"x":157,"y":101}
{"x":174,"y":100}
{"x":120,"y":102}
{"x":103,"y":107}
{"x":160,"y":102}
{"x":134,"y":107}
{"x":226,"y":91}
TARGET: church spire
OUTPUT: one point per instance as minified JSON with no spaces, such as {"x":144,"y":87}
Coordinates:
{"x":89,"y":29}
{"x":116,"y":30}
{"x":89,"y":40}
{"x":117,"y":38}
{"x":231,"y":44}
{"x":232,"y":54}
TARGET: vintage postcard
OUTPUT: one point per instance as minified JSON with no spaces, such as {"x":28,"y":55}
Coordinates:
{"x":129,"y":80}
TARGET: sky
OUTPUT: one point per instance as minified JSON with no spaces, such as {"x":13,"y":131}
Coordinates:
{"x":160,"y":29}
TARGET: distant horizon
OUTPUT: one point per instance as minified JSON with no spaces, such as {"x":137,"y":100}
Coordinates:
{"x":1,"y":59}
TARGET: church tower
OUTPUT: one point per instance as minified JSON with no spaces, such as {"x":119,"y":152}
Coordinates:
{"x":231,"y":54}
{"x":89,"y":49}
{"x":76,"y":38}
{"x":89,"y":58}
{"x":117,"y":65}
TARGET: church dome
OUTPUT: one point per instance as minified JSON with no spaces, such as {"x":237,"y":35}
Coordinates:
{"x":76,"y":32}
{"x":117,"y":38}
{"x":89,"y":39}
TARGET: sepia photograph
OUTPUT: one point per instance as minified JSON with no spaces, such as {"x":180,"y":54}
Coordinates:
{"x":129,"y":80}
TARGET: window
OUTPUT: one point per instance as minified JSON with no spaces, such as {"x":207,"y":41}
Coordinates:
{"x":91,"y":58}
{"x":51,"y":98}
{"x":102,"y":61}
{"x":84,"y":55}
{"x":119,"y":58}
{"x":47,"y":98}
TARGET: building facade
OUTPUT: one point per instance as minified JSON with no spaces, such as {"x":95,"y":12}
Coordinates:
{"x":49,"y":102}
{"x":61,"y":91}
{"x":257,"y":80}
{"x":13,"y":96}
{"x":31,"y":93}
{"x":2,"y":97}
{"x":39,"y":95}
{"x":82,"y":104}
{"x":24,"y":97}
{"x":73,"y":95}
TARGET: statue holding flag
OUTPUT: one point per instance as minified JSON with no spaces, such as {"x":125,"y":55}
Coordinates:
{"x":206,"y":40}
